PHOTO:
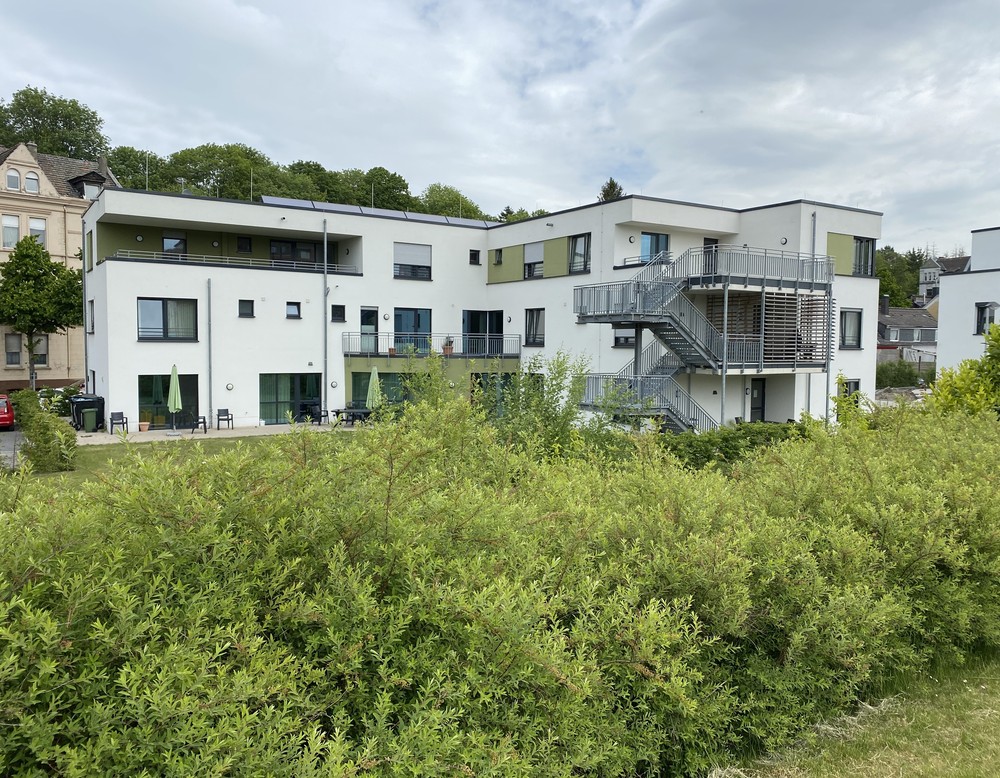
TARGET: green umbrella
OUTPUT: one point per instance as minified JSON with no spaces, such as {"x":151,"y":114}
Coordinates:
{"x":174,"y":397}
{"x":375,"y":397}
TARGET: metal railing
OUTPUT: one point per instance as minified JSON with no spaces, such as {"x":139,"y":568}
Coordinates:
{"x":633,"y":298}
{"x":744,"y":350}
{"x":406,"y":344}
{"x":655,"y":359}
{"x":690,"y":321}
{"x":749,"y":262}
{"x":214,"y":259}
{"x":648,"y":396}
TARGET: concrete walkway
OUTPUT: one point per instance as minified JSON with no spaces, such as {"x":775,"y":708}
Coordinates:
{"x":101,"y":437}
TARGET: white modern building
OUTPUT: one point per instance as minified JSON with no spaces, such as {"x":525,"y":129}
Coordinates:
{"x":968,"y":300}
{"x":701,"y":314}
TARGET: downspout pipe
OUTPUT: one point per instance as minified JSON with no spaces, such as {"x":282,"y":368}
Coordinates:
{"x":326,"y":329}
{"x":725,"y":350}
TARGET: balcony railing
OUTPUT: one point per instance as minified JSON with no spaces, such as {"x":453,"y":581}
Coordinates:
{"x":632,"y":298}
{"x":646,"y":395}
{"x":737,"y":262}
{"x":215,"y":259}
{"x":407,"y":344}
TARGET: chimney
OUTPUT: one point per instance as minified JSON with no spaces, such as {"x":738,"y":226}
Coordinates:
{"x":32,"y":147}
{"x":883,"y":305}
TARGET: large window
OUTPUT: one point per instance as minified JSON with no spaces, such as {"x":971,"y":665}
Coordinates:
{"x":412,"y":329}
{"x":864,"y":256}
{"x":653,"y":244}
{"x":174,"y":243}
{"x":31,"y":183}
{"x":11,"y":231}
{"x":36,"y":227}
{"x":12,"y":345}
{"x":534,"y":327}
{"x":534,"y":257}
{"x":41,"y":355}
{"x":579,"y":254}
{"x":298,"y":395}
{"x":153,"y":393}
{"x":411,"y":260}
{"x":13,"y":180}
{"x":850,"y":329}
{"x":165,"y":319}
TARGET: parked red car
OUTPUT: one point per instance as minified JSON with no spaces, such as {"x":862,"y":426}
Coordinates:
{"x":6,"y":412}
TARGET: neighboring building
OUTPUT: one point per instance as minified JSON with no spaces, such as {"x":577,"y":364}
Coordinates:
{"x":907,"y":334}
{"x":968,"y":301}
{"x":931,"y":270}
{"x":648,"y":290}
{"x":45,"y":196}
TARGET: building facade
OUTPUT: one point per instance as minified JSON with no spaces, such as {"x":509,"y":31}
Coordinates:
{"x":694,"y":314}
{"x":968,"y":301}
{"x":45,"y":196}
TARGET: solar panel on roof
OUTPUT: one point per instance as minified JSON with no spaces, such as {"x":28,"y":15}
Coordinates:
{"x":468,"y":222}
{"x":382,"y":212}
{"x":336,"y":207}
{"x":427,"y":217}
{"x":270,"y":200}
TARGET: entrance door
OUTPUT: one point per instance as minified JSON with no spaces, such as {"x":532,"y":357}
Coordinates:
{"x":711,"y":256}
{"x":482,"y":332}
{"x":756,"y":399}
{"x":369,"y":330}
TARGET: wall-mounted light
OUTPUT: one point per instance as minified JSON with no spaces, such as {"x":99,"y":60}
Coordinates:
{"x":747,"y":391}
{"x":784,"y":241}
{"x":215,"y":244}
{"x":346,"y":252}
{"x":333,"y":384}
{"x":631,"y":238}
{"x":229,"y":387}
{"x":385,"y":316}
{"x":138,"y":238}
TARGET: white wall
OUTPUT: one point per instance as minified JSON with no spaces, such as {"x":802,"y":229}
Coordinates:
{"x":957,"y":338}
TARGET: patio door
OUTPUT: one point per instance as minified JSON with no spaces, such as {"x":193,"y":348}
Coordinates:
{"x":482,"y":332}
{"x":369,"y":330}
{"x":757,"y":399}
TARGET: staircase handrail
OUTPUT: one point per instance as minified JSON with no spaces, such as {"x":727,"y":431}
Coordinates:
{"x":696,"y":324}
{"x":653,"y":354}
{"x":650,"y":395}
{"x":753,"y":262}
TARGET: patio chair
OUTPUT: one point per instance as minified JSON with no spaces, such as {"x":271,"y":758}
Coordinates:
{"x":118,"y":418}
{"x":223,"y":415}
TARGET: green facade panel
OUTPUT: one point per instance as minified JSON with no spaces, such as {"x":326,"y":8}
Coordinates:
{"x":841,"y":248}
{"x":457,"y":370}
{"x":556,"y":257}
{"x":511,"y":269}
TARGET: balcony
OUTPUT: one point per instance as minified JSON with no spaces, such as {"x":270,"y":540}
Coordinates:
{"x":405,"y":345}
{"x":215,"y":259}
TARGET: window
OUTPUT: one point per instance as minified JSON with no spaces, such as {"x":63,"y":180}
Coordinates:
{"x":243,"y":244}
{"x":31,"y":183}
{"x":984,"y":317}
{"x":534,"y":327}
{"x":36,"y":227}
{"x":864,"y":256}
{"x":91,"y":191}
{"x":338,"y":313}
{"x":413,"y":329}
{"x":12,"y":345}
{"x":624,"y":337}
{"x":498,"y":257}
{"x":282,"y":250}
{"x":41,"y":356}
{"x":90,"y":315}
{"x":246,"y":309}
{"x":893,"y":334}
{"x":473,"y":256}
{"x":14,"y":180}
{"x":850,"y":329}
{"x":850,"y":388}
{"x":11,"y":231}
{"x":579,"y":254}
{"x":534,"y":255}
{"x":928,"y":335}
{"x":411,"y":260}
{"x":293,"y":310}
{"x":653,"y":244}
{"x":907,"y":335}
{"x":175,"y":243}
{"x":167,"y":319}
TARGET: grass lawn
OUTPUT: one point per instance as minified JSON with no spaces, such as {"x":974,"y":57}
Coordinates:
{"x":945,"y":725}
{"x":93,"y":461}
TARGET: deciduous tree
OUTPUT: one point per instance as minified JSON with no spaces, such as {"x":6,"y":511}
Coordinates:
{"x":38,"y":296}
{"x":58,"y":125}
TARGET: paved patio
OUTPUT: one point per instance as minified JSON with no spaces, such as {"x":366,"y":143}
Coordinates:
{"x":102,"y":437}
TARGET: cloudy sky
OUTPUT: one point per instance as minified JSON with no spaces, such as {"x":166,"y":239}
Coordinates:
{"x":892,"y":105}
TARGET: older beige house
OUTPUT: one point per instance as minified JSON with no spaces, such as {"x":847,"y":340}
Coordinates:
{"x":45,"y":196}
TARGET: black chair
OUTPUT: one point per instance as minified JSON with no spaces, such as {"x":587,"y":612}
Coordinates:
{"x":119,"y":419}
{"x":199,"y":421}
{"x":223,"y":415}
{"x":738,"y":420}
{"x":317,"y":414}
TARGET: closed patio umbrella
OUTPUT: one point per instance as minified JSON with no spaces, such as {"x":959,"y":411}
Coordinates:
{"x":174,"y":397}
{"x":375,"y":397}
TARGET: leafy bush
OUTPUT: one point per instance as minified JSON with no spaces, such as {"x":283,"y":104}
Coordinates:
{"x":901,"y":373}
{"x":424,"y":598}
{"x":727,"y":445}
{"x":57,"y":400}
{"x":49,"y":442}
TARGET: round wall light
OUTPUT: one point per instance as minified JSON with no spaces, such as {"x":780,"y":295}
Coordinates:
{"x":333,"y":384}
{"x":784,"y":241}
{"x":508,"y":319}
{"x":385,"y":316}
{"x":229,"y":387}
{"x":215,"y":244}
{"x":138,"y":238}
{"x":631,"y":238}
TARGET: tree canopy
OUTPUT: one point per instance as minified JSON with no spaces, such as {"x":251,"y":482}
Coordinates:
{"x":38,"y":296}
{"x":58,"y":125}
{"x":611,"y":190}
{"x":973,"y":386}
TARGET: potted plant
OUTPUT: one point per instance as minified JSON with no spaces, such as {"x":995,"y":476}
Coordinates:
{"x":144,"y":418}
{"x":449,"y":346}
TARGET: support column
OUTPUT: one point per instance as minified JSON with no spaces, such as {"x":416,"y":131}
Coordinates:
{"x":725,"y":350}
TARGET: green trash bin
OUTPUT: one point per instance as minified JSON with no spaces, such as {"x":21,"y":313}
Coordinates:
{"x":89,"y":416}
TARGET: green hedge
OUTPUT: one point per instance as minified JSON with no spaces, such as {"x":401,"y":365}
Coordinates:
{"x":49,"y":442}
{"x":423,"y":598}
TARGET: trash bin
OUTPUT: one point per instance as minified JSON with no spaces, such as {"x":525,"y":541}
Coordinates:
{"x":81,"y":402}
{"x":89,"y":419}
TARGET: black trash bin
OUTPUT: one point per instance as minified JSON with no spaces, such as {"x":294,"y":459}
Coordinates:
{"x":78,"y":403}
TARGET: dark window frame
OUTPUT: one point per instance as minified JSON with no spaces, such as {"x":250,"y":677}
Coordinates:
{"x":243,"y":306}
{"x":338,"y":312}
{"x":293,"y":309}
{"x":163,"y":332}
{"x":244,"y":244}
{"x":474,"y":257}
{"x":844,"y":343}
{"x":578,"y":270}
{"x":534,"y":331}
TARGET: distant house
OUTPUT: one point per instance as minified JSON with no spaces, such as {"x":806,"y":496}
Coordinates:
{"x":968,"y":301}
{"x":908,"y":334}
{"x":45,"y":196}
{"x":931,"y":270}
